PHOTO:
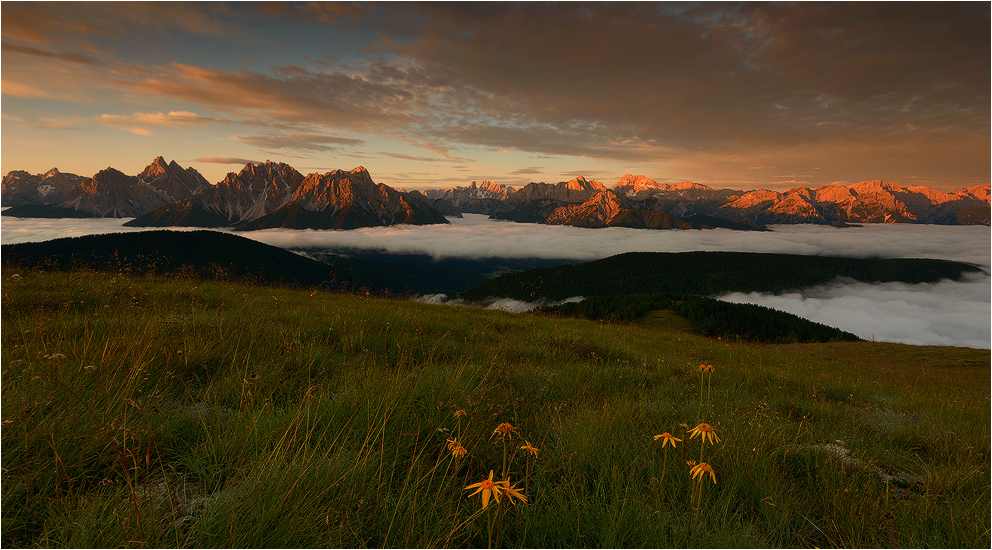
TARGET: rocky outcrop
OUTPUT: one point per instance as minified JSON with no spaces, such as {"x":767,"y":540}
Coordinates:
{"x":575,"y":190}
{"x":112,"y":194}
{"x":257,"y":190}
{"x":174,"y":181}
{"x":606,"y":210}
{"x":346,"y":200}
{"x":642,"y":186}
{"x":485,"y":198}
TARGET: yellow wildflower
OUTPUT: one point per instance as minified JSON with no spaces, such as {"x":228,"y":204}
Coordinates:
{"x":667,"y":438}
{"x":458,"y":452}
{"x":460,"y":413}
{"x":706,"y":368}
{"x":503,"y":430}
{"x":700,"y":470}
{"x":511,"y":491}
{"x":690,"y":463}
{"x":529,"y":448}
{"x":452,"y":443}
{"x":487,"y":488}
{"x":704,"y":431}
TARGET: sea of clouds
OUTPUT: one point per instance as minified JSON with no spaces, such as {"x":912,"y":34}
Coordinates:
{"x":953,"y":313}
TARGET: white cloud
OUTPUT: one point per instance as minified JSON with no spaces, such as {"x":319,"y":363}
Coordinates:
{"x":946,"y":313}
{"x":476,"y":236}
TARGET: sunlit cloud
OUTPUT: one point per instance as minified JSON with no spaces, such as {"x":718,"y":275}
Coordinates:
{"x":137,"y":123}
{"x":19,"y":89}
{"x":289,"y":96}
{"x":224,"y":160}
{"x":72,"y":57}
{"x":46,"y":127}
{"x":38,"y":26}
{"x":415,"y":158}
{"x":528,"y":171}
{"x":299,"y":142}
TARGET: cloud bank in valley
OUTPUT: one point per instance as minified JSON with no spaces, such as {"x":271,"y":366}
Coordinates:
{"x":476,"y":236}
{"x":953,"y":313}
{"x":946,"y":313}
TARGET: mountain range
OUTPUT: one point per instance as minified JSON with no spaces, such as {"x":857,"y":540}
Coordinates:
{"x":635,"y":201}
{"x":109,"y":193}
{"x":269,"y":194}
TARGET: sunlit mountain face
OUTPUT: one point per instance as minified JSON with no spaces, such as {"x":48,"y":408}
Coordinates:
{"x":746,"y":97}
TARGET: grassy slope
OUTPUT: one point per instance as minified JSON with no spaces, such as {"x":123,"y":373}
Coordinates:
{"x":142,"y":411}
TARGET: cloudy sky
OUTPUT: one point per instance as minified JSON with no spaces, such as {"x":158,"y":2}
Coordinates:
{"x":744,"y":96}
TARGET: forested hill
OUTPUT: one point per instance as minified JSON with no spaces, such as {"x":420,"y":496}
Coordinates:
{"x":706,"y":273}
{"x":207,"y":254}
{"x":706,"y":316}
{"x":223,"y":256}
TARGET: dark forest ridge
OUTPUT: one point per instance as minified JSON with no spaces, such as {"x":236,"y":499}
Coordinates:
{"x":707,"y":273}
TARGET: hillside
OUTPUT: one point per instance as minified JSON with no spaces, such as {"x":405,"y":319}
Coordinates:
{"x":141,"y":411}
{"x":706,"y":273}
{"x":222,"y":256}
{"x":706,"y":316}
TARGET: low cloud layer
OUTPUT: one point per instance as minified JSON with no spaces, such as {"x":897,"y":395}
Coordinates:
{"x":476,"y":236}
{"x":954,"y":313}
{"x":946,"y":313}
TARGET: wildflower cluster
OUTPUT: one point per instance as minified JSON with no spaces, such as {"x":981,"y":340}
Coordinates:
{"x":496,"y":488}
{"x":698,"y":470}
{"x":490,"y":489}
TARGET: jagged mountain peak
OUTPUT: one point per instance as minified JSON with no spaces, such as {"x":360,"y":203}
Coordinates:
{"x":874,"y":186}
{"x":636,"y":181}
{"x":580,"y":183}
{"x":50,"y":174}
{"x":632,"y":185}
{"x":361,"y":174}
{"x":157,"y":168}
{"x":684,"y":185}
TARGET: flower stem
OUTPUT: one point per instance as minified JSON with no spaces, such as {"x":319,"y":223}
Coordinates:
{"x":664,"y":470}
{"x":504,"y":457}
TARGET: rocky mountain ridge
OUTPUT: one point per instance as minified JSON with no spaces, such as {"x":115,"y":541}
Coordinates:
{"x":261,"y":195}
{"x":166,"y":194}
{"x":267,"y":195}
{"x":109,"y":193}
{"x":873,"y":201}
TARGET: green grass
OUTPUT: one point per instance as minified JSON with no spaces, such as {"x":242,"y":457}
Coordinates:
{"x":182,"y":413}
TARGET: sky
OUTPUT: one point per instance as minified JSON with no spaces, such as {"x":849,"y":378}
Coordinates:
{"x":742,"y":96}
{"x":949,"y":313}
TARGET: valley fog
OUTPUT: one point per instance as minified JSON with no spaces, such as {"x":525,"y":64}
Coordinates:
{"x":954,"y":313}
